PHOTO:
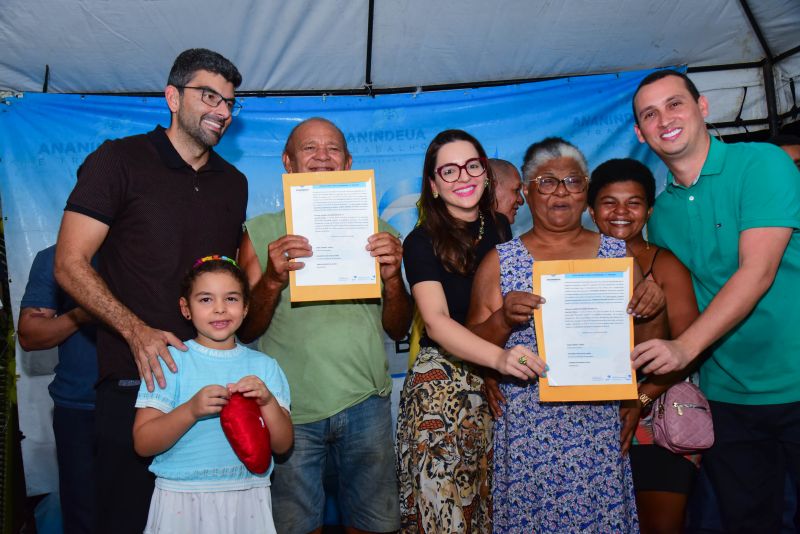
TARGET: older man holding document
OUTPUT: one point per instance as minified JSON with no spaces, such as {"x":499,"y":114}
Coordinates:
{"x":333,"y":356}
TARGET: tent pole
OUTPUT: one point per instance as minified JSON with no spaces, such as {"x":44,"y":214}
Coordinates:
{"x":756,"y":29}
{"x":368,"y":73}
{"x":767,"y":70}
{"x":783,"y":55}
{"x":46,"y":78}
{"x":772,"y":105}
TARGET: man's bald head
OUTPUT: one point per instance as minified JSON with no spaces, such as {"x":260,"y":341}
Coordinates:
{"x":507,"y":187}
{"x":316,"y":145}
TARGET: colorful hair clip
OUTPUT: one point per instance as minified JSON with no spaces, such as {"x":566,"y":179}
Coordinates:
{"x":212,"y":258}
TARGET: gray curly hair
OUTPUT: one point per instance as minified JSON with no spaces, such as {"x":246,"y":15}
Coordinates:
{"x":547,"y":150}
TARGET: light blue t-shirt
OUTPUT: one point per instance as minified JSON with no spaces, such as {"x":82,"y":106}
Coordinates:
{"x":202,"y":459}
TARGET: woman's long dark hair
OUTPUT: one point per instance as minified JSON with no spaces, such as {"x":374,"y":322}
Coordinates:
{"x":453,"y":243}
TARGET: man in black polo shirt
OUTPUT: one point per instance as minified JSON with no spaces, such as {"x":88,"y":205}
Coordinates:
{"x":149,"y":205}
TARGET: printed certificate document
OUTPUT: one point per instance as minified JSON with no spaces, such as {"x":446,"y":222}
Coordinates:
{"x":336,"y":212}
{"x":584,"y":332}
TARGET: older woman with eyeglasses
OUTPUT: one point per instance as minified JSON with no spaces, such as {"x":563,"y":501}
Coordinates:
{"x":559,"y":467}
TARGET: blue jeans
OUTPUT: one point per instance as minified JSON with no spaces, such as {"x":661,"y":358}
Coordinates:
{"x":358,"y":441}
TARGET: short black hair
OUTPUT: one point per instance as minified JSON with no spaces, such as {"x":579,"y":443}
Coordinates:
{"x":214,"y":265}
{"x":658,"y":75}
{"x":190,"y":61}
{"x":622,"y":170}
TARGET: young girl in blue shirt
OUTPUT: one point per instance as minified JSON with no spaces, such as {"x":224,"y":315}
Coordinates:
{"x":201,"y":484}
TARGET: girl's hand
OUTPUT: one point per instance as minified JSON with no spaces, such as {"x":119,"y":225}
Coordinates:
{"x":252,"y":387}
{"x":647,"y":301}
{"x":518,"y":307}
{"x":208,"y":401}
{"x":520,"y":362}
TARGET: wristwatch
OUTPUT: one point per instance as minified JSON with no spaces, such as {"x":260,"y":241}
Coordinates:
{"x":645,"y":399}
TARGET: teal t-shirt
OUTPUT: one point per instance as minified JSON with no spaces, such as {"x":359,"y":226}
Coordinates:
{"x":741,"y":186}
{"x":331,"y":351}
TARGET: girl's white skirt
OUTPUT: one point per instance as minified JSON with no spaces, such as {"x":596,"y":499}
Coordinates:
{"x":220,"y":512}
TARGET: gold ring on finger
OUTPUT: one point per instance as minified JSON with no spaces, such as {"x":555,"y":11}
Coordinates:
{"x":523,"y":360}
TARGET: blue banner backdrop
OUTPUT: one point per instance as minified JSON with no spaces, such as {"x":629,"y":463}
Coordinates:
{"x":45,"y":137}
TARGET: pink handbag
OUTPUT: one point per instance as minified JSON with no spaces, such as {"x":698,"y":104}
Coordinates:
{"x":682,"y":419}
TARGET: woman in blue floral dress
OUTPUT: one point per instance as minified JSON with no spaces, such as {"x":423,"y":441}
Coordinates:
{"x":559,"y":467}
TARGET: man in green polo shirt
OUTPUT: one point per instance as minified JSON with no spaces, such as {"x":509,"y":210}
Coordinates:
{"x":731,"y":214}
{"x":333,"y":357}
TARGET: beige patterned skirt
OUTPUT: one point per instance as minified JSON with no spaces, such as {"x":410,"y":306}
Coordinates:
{"x":444,"y":448}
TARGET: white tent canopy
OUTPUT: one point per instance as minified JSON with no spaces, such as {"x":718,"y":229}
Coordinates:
{"x":745,"y":54}
{"x":332,"y":46}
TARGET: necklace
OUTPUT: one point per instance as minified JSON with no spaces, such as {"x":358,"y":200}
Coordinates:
{"x":482,"y":227}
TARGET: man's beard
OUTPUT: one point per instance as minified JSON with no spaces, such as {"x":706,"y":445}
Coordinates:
{"x":204,"y":138}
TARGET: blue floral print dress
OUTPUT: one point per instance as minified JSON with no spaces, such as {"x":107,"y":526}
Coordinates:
{"x":557,"y":466}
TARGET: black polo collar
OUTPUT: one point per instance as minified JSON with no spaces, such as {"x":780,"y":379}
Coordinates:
{"x":173,"y":160}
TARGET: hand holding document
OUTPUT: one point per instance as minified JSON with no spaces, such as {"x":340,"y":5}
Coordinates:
{"x":336,"y":212}
{"x":584,"y":332}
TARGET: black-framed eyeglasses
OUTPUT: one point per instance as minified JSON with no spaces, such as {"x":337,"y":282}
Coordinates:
{"x":212,"y":98}
{"x":547,"y":184}
{"x":450,"y":172}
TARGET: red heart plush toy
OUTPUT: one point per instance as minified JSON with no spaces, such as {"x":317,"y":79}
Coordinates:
{"x":247,"y":432}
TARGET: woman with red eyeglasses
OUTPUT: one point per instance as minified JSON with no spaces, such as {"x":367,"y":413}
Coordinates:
{"x":444,"y":429}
